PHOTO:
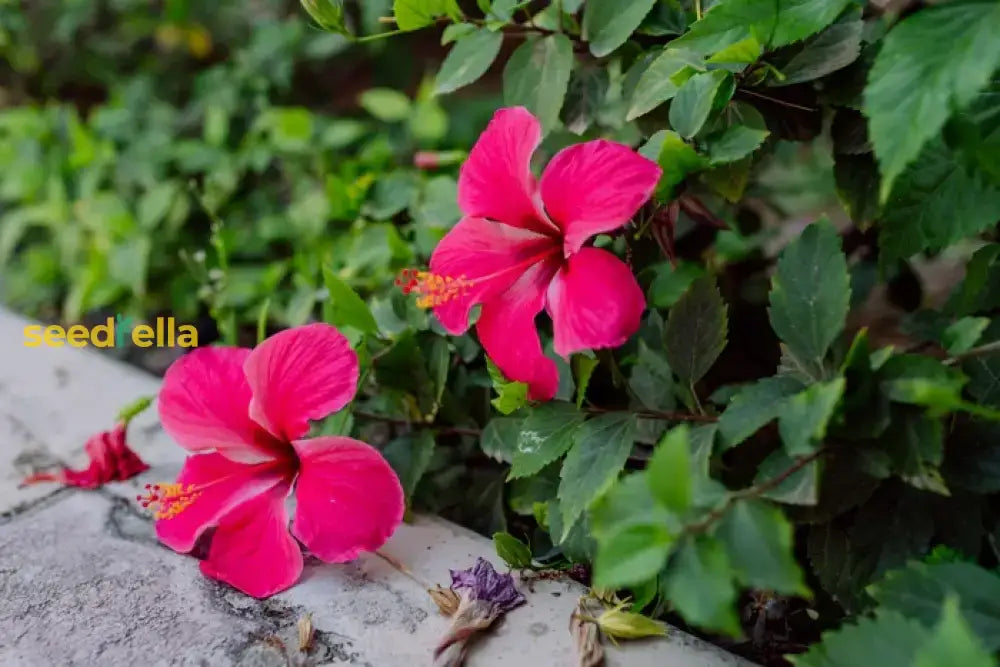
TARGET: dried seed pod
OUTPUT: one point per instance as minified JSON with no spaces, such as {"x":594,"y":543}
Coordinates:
{"x":446,"y":599}
{"x":586,"y":636}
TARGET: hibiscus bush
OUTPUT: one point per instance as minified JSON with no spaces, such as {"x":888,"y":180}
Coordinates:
{"x":693,"y":301}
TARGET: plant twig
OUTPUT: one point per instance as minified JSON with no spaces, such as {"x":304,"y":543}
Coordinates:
{"x":980,"y":351}
{"x":790,"y":105}
{"x":754,"y":491}
{"x":658,"y":414}
{"x":401,"y":421}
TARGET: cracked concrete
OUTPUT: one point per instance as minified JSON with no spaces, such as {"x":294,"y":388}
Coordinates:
{"x":83,"y":580}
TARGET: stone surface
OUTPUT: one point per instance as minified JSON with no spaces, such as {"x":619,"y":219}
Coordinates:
{"x":83,"y":580}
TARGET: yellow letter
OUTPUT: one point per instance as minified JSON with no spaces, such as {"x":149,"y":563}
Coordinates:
{"x":109,"y":334}
{"x":33,"y":335}
{"x":142,"y":335}
{"x":54,"y":336}
{"x":187,"y":336}
{"x":77,"y":335}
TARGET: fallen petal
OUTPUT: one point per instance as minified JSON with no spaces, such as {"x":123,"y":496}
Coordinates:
{"x":111,"y":460}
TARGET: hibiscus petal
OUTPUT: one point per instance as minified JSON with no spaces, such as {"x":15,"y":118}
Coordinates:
{"x":348,"y":499}
{"x":496,"y":181}
{"x":507,"y":331}
{"x":111,"y":460}
{"x":205,"y":405}
{"x":596,"y":187}
{"x":252,"y":550}
{"x":300,"y":374}
{"x":222,"y":485}
{"x":594,"y":302}
{"x":485,"y":258}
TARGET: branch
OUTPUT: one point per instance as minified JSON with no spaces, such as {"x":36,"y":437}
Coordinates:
{"x":658,"y":414}
{"x":400,"y":421}
{"x":980,"y":351}
{"x":754,"y":491}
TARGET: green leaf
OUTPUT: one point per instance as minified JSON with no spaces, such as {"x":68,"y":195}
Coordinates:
{"x":758,"y":539}
{"x":696,"y":330}
{"x":736,"y":142}
{"x":754,"y":406}
{"x":499,"y":439}
{"x":700,"y":586}
{"x":547,"y":433}
{"x":730,"y":21}
{"x":583,"y":368}
{"x":676,"y":158}
{"x":835,"y":48}
{"x":416,"y":14}
{"x":936,"y":202}
{"x":608,"y":23}
{"x":632,"y":555}
{"x":344,"y":307}
{"x":588,"y":88}
{"x":328,"y":14}
{"x":409,"y":456}
{"x":810,"y":292}
{"x":661,"y":80}
{"x":962,"y":335}
{"x":891,"y":639}
{"x":468,"y":60}
{"x":512,"y":551}
{"x":602,"y":447}
{"x":134,"y":409}
{"x":669,"y":470}
{"x":857,"y":182}
{"x":630,"y":502}
{"x":743,"y":52}
{"x":802,"y":418}
{"x":670,"y":282}
{"x":919,"y":590}
{"x":693,"y":102}
{"x":511,"y":395}
{"x":386,"y":104}
{"x":537,"y":77}
{"x":969,"y":297}
{"x":904,"y":116}
{"x":652,"y":380}
{"x":952,"y":642}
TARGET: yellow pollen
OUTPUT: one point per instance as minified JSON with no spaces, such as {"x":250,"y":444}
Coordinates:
{"x":432,"y":289}
{"x":168,"y":500}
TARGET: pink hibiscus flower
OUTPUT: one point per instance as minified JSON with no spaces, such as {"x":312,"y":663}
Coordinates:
{"x":520,"y":248}
{"x":245,"y":414}
{"x":111,"y":460}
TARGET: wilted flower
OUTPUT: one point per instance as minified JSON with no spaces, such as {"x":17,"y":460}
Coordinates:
{"x":446,"y":599}
{"x":586,"y":636}
{"x":111,"y":460}
{"x":245,"y":415}
{"x":485,"y":596}
{"x":522,"y":247}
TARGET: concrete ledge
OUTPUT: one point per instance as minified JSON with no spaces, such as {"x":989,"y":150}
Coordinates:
{"x":84,"y":581}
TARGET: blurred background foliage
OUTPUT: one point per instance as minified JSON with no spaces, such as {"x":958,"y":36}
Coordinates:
{"x":248,"y":165}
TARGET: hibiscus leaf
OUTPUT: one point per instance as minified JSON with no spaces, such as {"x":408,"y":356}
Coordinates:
{"x":344,"y":307}
{"x":546,"y":434}
{"x":602,"y":447}
{"x":773,"y":24}
{"x":802,"y":419}
{"x":696,"y":330}
{"x":468,"y":60}
{"x":953,"y":642}
{"x":661,"y":80}
{"x":416,"y":14}
{"x":735,"y":143}
{"x":699,"y":584}
{"x":754,"y":406}
{"x":676,"y":158}
{"x":608,"y":23}
{"x":499,"y":439}
{"x":669,"y":470}
{"x":693,"y":102}
{"x":537,"y":77}
{"x":833,"y":49}
{"x":810,"y":292}
{"x":903,"y":117}
{"x":892,"y":637}
{"x":936,"y":202}
{"x":632,"y":555}
{"x":409,"y":456}
{"x":758,"y":540}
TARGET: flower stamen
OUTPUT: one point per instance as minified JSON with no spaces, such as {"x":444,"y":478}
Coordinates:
{"x":168,"y":500}
{"x":432,"y":289}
